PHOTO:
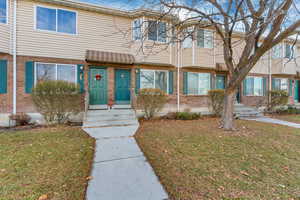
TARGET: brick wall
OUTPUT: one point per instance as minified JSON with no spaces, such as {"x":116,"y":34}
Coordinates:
{"x":6,"y":99}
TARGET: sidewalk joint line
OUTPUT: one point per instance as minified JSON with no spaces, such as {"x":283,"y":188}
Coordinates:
{"x":119,"y":159}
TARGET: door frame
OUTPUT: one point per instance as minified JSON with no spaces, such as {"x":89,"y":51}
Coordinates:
{"x":106,"y":80}
{"x":115,"y":82}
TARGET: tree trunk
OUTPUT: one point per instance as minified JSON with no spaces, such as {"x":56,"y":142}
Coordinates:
{"x":227,"y":118}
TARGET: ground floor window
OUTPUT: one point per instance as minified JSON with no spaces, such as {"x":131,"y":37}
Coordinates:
{"x":50,"y":71}
{"x":198,"y":83}
{"x":280,"y":84}
{"x":220,"y":81}
{"x":154,"y":79}
{"x":254,"y":86}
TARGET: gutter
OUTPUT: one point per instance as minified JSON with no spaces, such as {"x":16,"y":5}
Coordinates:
{"x":15,"y":57}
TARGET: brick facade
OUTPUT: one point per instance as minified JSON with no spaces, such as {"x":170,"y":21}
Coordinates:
{"x":24,"y":102}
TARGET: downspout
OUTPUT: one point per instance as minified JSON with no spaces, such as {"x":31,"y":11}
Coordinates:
{"x":15,"y":57}
{"x":178,"y":76}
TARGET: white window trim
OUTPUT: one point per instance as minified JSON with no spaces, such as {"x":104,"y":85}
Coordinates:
{"x":7,"y":13}
{"x":213,"y":39}
{"x":153,"y":70}
{"x":198,"y":88}
{"x":56,"y":31}
{"x":287,"y":83}
{"x":156,"y":41}
{"x":132,"y":26}
{"x":56,"y":64}
{"x":252,"y":95}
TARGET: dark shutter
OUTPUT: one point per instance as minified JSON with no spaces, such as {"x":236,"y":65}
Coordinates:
{"x":171,"y":82}
{"x":80,"y":77}
{"x":137,"y":80}
{"x":29,"y":76}
{"x":290,"y":87}
{"x":264,"y":86}
{"x":3,"y":76}
{"x":185,"y":83}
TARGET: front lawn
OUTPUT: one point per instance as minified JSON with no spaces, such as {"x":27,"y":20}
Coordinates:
{"x":50,"y":162}
{"x":196,"y":160}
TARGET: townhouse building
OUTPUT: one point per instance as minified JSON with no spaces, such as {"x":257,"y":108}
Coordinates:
{"x":105,"y":52}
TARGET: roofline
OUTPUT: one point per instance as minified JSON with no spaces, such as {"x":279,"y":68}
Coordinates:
{"x":106,"y":10}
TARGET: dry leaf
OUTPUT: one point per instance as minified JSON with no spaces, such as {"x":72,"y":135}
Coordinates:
{"x":43,"y":197}
{"x":89,"y":178}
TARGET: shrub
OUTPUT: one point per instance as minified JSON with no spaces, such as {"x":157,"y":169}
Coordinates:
{"x":21,"y":119}
{"x":287,"y":110}
{"x":57,"y":100}
{"x":151,"y":101}
{"x":183,"y":116}
{"x":278,"y":98}
{"x":216,"y":101}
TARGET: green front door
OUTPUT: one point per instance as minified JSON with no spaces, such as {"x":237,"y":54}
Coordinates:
{"x":296,"y":97}
{"x":98,"y":86}
{"x":122,"y":86}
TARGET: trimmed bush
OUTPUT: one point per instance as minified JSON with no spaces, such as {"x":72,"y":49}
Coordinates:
{"x":151,"y":101}
{"x":182,"y":116}
{"x":278,"y":98}
{"x":216,"y":101}
{"x":57,"y":100}
{"x":21,"y":119}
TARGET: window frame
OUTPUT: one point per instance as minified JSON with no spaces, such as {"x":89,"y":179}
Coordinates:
{"x":56,"y":18}
{"x":190,"y":37}
{"x":212,"y":37}
{"x":7,"y":13}
{"x":277,"y":47}
{"x":157,"y":30}
{"x":140,"y":28}
{"x":292,"y":49}
{"x":154,"y":80}
{"x":56,"y":74}
{"x":253,"y":87}
{"x":198,"y":88}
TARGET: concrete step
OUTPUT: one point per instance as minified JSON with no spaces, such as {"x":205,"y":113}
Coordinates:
{"x":242,"y":111}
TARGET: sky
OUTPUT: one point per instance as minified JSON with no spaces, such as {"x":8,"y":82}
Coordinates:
{"x":118,"y":4}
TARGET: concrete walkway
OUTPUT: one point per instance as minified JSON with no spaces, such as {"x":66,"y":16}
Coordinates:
{"x":274,"y":121}
{"x":120,"y":170}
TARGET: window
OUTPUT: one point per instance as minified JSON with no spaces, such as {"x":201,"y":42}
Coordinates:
{"x":57,"y":20}
{"x":220,"y":81}
{"x":198,"y":83}
{"x":3,"y":11}
{"x":254,"y":86}
{"x":137,"y":29}
{"x":280,"y":84}
{"x":157,"y":31}
{"x":188,"y":38}
{"x":290,"y":51}
{"x":277,"y":51}
{"x":154,"y":79}
{"x":49,"y":71}
{"x":204,"y":38}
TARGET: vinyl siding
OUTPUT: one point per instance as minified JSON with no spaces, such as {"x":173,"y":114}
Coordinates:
{"x":5,"y":31}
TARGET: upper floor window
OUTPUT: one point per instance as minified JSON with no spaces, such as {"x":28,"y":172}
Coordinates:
{"x":137,"y":29}
{"x":220,"y":81}
{"x":157,"y":31}
{"x":58,"y":20}
{"x":254,"y":86}
{"x":50,"y":71}
{"x":3,"y":11}
{"x":154,"y":79}
{"x":188,"y":38}
{"x":198,"y":83}
{"x":277,"y":51}
{"x":290,"y":51}
{"x":204,"y":38}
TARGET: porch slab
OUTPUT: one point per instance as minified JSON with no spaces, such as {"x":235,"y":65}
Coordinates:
{"x":126,"y":179}
{"x":116,"y":148}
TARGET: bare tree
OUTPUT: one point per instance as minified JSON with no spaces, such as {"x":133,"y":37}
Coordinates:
{"x":261,"y":24}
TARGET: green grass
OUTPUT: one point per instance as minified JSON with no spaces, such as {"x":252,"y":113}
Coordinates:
{"x":52,"y":161}
{"x":197,"y":160}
